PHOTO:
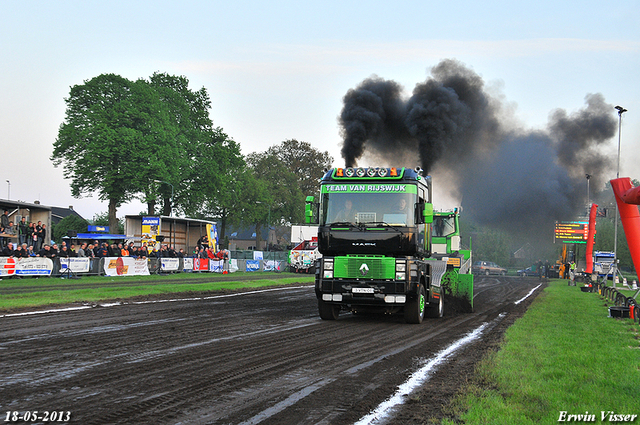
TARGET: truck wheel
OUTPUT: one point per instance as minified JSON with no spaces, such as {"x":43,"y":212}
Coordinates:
{"x":436,"y":311}
{"x":414,"y":308}
{"x":328,"y":311}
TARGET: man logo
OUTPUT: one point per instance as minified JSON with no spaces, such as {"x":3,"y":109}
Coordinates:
{"x":364,"y":269}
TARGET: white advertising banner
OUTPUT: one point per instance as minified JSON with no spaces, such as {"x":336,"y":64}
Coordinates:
{"x":76,"y":265}
{"x":170,"y":264}
{"x":34,"y":266}
{"x":233,"y":266}
{"x":188,"y":264}
{"x":271,"y":266}
{"x":125,"y":266}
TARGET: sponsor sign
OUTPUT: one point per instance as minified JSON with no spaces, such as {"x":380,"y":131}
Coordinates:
{"x":216,"y":266}
{"x":150,"y":229}
{"x":258,"y":255}
{"x":7,"y":266}
{"x":34,"y":266}
{"x":369,"y":188}
{"x":201,"y":264}
{"x":125,"y":266}
{"x":169,"y":264}
{"x":188,"y":264}
{"x":76,"y":265}
{"x":233,"y":266}
{"x":271,"y":266}
{"x":253,"y":265}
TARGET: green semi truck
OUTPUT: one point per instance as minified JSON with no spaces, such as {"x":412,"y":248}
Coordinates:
{"x":375,"y":237}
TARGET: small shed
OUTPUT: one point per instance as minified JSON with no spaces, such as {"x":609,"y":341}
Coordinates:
{"x":180,"y":233}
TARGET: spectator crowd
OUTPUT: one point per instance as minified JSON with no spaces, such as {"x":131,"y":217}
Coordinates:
{"x":31,"y":243}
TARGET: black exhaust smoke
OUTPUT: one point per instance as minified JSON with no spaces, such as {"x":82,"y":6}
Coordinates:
{"x":452,"y":126}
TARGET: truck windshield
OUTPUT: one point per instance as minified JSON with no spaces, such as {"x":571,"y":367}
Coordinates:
{"x":443,"y":226}
{"x":395,"y":209}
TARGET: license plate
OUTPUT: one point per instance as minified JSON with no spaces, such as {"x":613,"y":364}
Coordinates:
{"x":362,"y":290}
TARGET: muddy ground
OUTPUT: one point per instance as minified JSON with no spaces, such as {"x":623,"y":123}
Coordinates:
{"x":252,"y":357}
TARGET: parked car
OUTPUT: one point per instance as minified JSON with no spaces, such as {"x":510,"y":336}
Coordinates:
{"x":529,"y":271}
{"x":487,"y":268}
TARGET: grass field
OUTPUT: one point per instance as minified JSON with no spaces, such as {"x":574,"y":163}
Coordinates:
{"x":564,"y":357}
{"x":45,"y":291}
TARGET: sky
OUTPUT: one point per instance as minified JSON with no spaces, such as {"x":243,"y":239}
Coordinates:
{"x":279,"y":70}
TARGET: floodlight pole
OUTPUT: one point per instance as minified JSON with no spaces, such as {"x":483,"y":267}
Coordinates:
{"x":621,"y":110}
{"x":588,"y":199}
{"x":8,"y":190}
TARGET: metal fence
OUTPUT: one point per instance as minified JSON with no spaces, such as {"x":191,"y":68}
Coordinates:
{"x":629,"y":305}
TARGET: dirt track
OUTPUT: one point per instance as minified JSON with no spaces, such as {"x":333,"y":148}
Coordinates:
{"x":253,"y":357}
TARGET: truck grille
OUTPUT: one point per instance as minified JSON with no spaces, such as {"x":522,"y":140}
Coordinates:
{"x":364,"y":267}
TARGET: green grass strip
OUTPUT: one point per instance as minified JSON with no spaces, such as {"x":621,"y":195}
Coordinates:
{"x":38,"y":298}
{"x":564,"y":355}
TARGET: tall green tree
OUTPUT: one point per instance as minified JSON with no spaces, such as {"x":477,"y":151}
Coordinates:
{"x":280,"y":200}
{"x":191,"y":134}
{"x":217,"y":181}
{"x":112,"y":139}
{"x":304,"y":161}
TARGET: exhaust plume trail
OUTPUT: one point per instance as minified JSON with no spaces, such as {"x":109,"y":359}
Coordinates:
{"x":451,"y":125}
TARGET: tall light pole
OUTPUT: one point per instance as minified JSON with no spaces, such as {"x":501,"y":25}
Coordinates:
{"x":588,"y":178}
{"x":8,"y":190}
{"x":621,"y":111}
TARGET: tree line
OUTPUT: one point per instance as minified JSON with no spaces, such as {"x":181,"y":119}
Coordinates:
{"x":154,"y":140}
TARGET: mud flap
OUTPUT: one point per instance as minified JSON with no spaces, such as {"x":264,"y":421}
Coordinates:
{"x":458,"y":290}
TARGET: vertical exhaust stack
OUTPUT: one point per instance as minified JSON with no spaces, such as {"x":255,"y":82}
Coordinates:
{"x":627,"y":198}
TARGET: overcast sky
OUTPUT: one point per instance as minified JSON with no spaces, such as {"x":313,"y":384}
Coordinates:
{"x":278,"y":70}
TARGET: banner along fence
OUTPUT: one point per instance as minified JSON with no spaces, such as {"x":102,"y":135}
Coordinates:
{"x":130,"y":266}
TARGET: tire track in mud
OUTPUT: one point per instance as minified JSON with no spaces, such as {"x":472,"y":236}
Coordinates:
{"x":265,"y":356}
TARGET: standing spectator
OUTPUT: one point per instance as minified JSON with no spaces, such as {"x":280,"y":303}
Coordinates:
{"x":4,"y":223}
{"x":33,"y":235}
{"x":10,"y":229}
{"x":103,"y":251}
{"x":31,"y":252}
{"x":41,"y":233}
{"x":23,"y":230}
{"x":81,"y":250}
{"x":55,"y":249}
{"x":181,"y":253}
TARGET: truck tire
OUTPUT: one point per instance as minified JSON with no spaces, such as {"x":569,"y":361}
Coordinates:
{"x":414,"y":308}
{"x":436,"y":311}
{"x":328,"y":311}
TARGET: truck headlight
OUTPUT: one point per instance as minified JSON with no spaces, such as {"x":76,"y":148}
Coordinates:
{"x":401,"y":275}
{"x":328,"y":274}
{"x":328,"y":265}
